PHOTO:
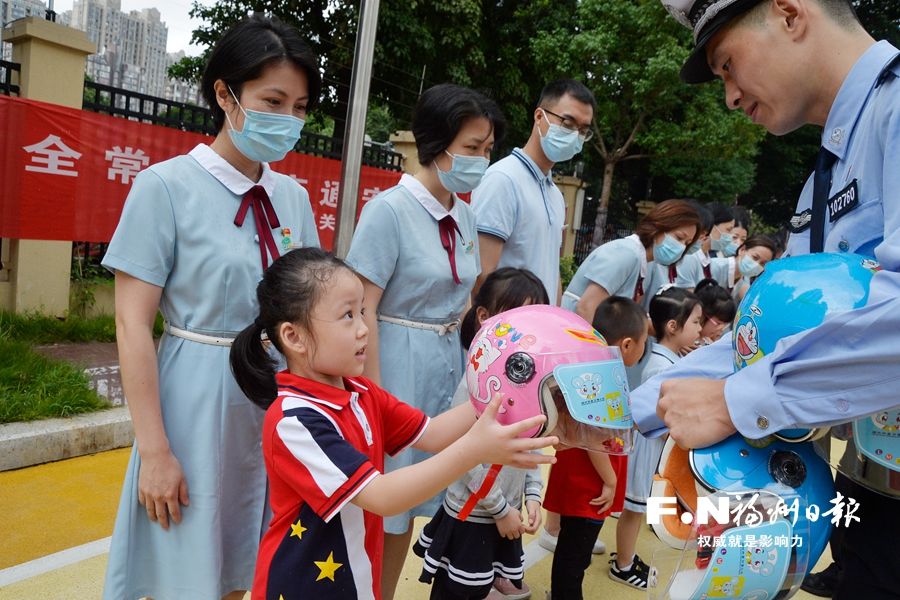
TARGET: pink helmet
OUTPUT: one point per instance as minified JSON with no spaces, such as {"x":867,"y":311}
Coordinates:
{"x":546,"y":360}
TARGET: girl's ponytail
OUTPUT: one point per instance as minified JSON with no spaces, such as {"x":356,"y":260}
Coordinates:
{"x":253,"y":367}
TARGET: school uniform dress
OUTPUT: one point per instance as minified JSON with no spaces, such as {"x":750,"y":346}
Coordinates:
{"x":397,"y":246}
{"x":322,"y":446}
{"x":620,"y":267}
{"x":723,"y":270}
{"x":644,"y":458}
{"x":177,"y":232}
{"x":808,"y":381}
{"x":521,"y":205}
{"x":692,"y":269}
{"x":464,"y":557}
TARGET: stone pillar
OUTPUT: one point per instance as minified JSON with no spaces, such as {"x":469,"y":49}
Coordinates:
{"x":53,"y":58}
{"x":572,"y":189}
{"x":405,"y":144}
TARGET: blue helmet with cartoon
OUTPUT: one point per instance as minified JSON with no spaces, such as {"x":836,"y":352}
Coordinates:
{"x":782,"y":475}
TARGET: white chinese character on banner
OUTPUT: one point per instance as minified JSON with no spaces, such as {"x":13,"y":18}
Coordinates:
{"x":369,"y":193}
{"x":303,"y":182}
{"x":127,"y":163}
{"x":327,"y":222}
{"x":330,"y":192}
{"x":52,"y":156}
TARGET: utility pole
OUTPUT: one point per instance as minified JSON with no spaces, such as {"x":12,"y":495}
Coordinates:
{"x":354,"y":133}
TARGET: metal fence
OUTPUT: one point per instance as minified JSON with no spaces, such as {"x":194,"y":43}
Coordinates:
{"x":9,"y":78}
{"x":584,"y":237}
{"x":119,"y":102}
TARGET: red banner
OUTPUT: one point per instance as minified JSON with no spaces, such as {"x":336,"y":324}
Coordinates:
{"x":66,"y":172}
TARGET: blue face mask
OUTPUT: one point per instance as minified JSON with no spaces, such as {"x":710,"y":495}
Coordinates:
{"x":560,"y":144}
{"x":668,"y":251}
{"x":465,"y":173}
{"x":750,"y":267}
{"x":720,"y":244}
{"x":694,"y":248}
{"x":731,"y":248}
{"x":265,"y":137}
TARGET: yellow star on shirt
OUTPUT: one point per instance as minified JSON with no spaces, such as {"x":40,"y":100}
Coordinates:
{"x":297,"y":529}
{"x":327,"y":567}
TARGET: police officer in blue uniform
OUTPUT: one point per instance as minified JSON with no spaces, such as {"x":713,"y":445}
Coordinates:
{"x":787,"y":63}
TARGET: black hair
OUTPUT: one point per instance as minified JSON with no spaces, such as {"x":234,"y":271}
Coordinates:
{"x":504,"y":289}
{"x":555,"y":90}
{"x":617,"y":318}
{"x":288,"y":292}
{"x":840,"y":11}
{"x":720,"y":213}
{"x":671,"y":303}
{"x":760,"y":240}
{"x":244,"y":52}
{"x":706,"y":218}
{"x":715,"y":300}
{"x":443,"y":110}
{"x":742,"y":217}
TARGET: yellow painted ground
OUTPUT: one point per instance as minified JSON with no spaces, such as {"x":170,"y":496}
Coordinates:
{"x":59,"y":505}
{"x":52,"y":507}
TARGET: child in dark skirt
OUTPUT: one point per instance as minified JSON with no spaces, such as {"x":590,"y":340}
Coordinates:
{"x":466,"y":559}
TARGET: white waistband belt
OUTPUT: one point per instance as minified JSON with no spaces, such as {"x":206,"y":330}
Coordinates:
{"x":572,"y":296}
{"x":201,"y":338}
{"x":439,"y":328}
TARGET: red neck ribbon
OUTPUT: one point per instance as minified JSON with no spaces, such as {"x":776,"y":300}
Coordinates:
{"x":266,"y":220}
{"x":448,"y":230}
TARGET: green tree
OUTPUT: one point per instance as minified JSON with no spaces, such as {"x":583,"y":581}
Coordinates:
{"x":629,"y":52}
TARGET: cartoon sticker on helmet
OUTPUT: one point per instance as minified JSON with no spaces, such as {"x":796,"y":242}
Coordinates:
{"x":746,"y":341}
{"x":726,"y":587}
{"x":888,"y":420}
{"x":588,"y":385}
{"x":481,"y":356}
{"x":592,"y":336}
{"x":872,"y":265}
{"x":760,"y":560}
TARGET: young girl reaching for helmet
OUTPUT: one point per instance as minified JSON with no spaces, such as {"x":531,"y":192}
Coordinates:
{"x":326,"y":431}
{"x":464,"y":559}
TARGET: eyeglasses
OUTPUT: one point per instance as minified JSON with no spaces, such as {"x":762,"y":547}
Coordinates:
{"x":585,"y":132}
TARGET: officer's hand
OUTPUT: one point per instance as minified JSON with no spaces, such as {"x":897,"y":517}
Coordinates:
{"x":695,"y":412}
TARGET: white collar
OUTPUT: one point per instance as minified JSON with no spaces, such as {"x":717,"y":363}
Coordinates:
{"x":236,"y":182}
{"x":642,"y":252}
{"x":732,"y":267}
{"x":428,"y":201}
{"x":704,"y":258}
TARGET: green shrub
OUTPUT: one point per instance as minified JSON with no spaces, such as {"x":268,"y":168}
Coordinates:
{"x":33,"y":386}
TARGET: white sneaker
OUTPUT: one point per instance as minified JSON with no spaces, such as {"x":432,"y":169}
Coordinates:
{"x":547,"y":541}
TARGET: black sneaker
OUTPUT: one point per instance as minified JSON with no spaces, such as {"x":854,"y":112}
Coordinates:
{"x":822,"y":583}
{"x":635,"y":576}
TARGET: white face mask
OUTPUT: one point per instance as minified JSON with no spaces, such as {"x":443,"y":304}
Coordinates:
{"x":749,"y":266}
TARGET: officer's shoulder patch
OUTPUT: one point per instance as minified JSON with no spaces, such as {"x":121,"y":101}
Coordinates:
{"x":843,"y":202}
{"x":800,"y":221}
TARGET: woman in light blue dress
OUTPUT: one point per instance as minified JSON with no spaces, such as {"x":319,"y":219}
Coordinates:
{"x":416,"y":248}
{"x":195,"y":235}
{"x":621,"y":267}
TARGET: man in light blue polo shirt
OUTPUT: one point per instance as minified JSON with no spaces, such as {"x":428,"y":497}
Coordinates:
{"x":519,"y":210}
{"x":787,"y":63}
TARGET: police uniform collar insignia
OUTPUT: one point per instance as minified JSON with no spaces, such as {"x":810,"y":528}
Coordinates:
{"x":800,"y":221}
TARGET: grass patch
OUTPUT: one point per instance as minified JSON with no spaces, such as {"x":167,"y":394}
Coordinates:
{"x":41,"y":329}
{"x":35,"y":387}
